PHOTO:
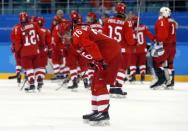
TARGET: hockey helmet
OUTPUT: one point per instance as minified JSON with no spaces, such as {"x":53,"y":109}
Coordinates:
{"x":120,"y":8}
{"x":165,"y":11}
{"x":23,"y":17}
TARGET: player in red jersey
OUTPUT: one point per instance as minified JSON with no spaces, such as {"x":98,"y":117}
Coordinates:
{"x":162,"y":33}
{"x":98,"y":48}
{"x":171,"y":52}
{"x":93,"y":23}
{"x":57,"y":19}
{"x":121,"y":30}
{"x":58,"y":45}
{"x":16,"y":55}
{"x":139,"y":57}
{"x":75,"y":63}
{"x":27,"y":43}
{"x":44,"y":50}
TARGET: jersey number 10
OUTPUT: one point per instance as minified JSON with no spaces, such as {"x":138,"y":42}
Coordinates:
{"x":140,"y":38}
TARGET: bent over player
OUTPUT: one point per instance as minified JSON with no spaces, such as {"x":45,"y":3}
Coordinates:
{"x":98,"y":48}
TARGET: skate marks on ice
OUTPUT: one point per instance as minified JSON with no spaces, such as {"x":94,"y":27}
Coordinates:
{"x":50,"y":110}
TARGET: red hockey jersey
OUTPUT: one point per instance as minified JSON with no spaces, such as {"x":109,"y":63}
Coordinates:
{"x":142,"y":32}
{"x":162,"y":30}
{"x":28,"y":39}
{"x":172,"y":28}
{"x":97,"y":45}
{"x":58,"y":41}
{"x":97,"y":27}
{"x":46,"y":34}
{"x":119,"y":30}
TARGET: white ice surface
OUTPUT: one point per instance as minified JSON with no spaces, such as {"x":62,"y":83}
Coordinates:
{"x":50,"y":110}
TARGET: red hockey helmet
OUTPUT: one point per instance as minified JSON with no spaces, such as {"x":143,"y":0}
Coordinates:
{"x":23,"y":17}
{"x":33,"y":19}
{"x":91,"y":17}
{"x":120,"y":8}
{"x":57,"y":19}
{"x":40,"y":20}
{"x":74,"y":15}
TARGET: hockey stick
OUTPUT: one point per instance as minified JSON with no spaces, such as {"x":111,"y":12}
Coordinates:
{"x":25,"y":80}
{"x":23,"y":85}
{"x":138,"y":13}
{"x":13,"y":77}
{"x":63,"y":83}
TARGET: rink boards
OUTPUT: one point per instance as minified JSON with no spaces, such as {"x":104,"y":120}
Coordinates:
{"x":179,"y":78}
{"x":7,"y":66}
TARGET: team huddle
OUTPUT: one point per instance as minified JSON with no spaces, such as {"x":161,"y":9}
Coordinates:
{"x":102,"y":54}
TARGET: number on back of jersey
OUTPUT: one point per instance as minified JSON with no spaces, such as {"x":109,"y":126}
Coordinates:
{"x":115,"y":32}
{"x":30,"y":38}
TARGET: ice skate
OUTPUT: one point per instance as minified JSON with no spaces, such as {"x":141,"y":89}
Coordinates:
{"x":86,"y":83}
{"x":30,"y":89}
{"x":40,"y":83}
{"x":100,"y":119}
{"x":39,"y":87}
{"x":132,"y":80}
{"x":87,"y":117}
{"x":161,"y":79}
{"x":73,"y":84}
{"x":117,"y":93}
{"x":169,"y":85}
{"x":155,"y":86}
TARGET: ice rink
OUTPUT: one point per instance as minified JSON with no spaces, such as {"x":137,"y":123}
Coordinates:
{"x":50,"y":110}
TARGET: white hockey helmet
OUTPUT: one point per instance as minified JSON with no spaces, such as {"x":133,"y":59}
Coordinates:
{"x":165,"y":11}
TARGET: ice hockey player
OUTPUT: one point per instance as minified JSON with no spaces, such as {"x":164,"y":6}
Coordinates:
{"x":160,"y":51}
{"x":139,"y":57}
{"x":16,"y":55}
{"x":121,"y":30}
{"x":171,"y":52}
{"x":44,"y":51}
{"x":98,"y":48}
{"x":94,"y":25}
{"x":77,"y":64}
{"x":58,"y":45}
{"x":57,"y":19}
{"x":27,"y":43}
{"x":72,"y":58}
